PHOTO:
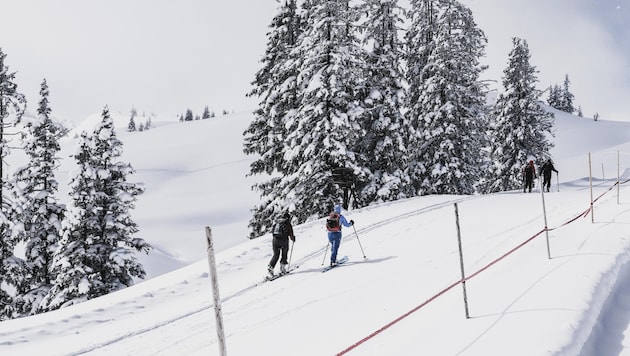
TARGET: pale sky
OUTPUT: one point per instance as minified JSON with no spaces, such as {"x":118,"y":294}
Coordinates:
{"x":166,"y":56}
{"x":158,"y":56}
{"x":587,"y":39}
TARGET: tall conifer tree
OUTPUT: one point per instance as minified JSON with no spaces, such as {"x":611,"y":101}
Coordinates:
{"x":520,"y":127}
{"x":323,"y":135}
{"x":275,"y":85}
{"x":37,"y":206}
{"x":447,"y":110}
{"x":316,"y":166}
{"x":382,"y":149}
{"x":12,"y":104}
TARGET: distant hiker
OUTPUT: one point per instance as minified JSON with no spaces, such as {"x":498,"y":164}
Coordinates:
{"x":333,"y":224}
{"x":529,"y":174}
{"x":282,"y":231}
{"x":546,"y":170}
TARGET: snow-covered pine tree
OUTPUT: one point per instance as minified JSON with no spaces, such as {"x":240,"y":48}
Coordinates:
{"x":520,"y":128}
{"x":12,"y":103}
{"x":206,"y":113}
{"x":566,"y":97}
{"x":322,"y":136}
{"x":561,"y":98}
{"x":96,"y":253}
{"x":132,"y":123}
{"x":275,"y":86}
{"x":419,"y":44}
{"x":36,"y":206}
{"x":382,"y":149}
{"x":553,"y":97}
{"x":189,"y":115}
{"x":448,"y":107}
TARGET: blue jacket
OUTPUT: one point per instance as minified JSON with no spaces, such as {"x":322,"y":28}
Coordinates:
{"x":342,"y":219}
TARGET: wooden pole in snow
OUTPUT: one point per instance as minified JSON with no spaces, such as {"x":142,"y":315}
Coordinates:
{"x":461,"y":261}
{"x":590,"y":183}
{"x":215,"y":290}
{"x":542,"y":195}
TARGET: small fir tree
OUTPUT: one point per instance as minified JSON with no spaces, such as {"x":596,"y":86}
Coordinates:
{"x":206,"y":113}
{"x":97,"y":251}
{"x":561,"y":98}
{"x":132,"y":123}
{"x":189,"y":115}
{"x":553,"y":99}
{"x":567,"y":97}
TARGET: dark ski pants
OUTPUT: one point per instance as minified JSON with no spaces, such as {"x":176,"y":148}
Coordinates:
{"x":335,"y":240}
{"x":280,"y":247}
{"x":529,"y":183}
{"x":547,"y":181}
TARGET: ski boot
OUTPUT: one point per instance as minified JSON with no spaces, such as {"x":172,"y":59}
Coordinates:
{"x":283,"y":269}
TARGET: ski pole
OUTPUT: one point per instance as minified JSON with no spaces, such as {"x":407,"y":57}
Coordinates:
{"x":357,"y":235}
{"x":325,"y":251}
{"x":290,"y":255}
{"x":558,"y":181}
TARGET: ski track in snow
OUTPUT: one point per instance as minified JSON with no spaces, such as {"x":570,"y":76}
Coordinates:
{"x":198,"y":285}
{"x":202,"y":283}
{"x":518,"y":231}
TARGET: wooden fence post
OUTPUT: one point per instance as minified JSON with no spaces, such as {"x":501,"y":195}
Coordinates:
{"x":461,"y":261}
{"x":215,"y":290}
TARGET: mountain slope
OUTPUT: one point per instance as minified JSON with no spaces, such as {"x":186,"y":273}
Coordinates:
{"x":522,"y":304}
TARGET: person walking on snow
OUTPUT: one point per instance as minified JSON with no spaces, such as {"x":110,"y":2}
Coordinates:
{"x":529,"y":173}
{"x":546,"y":170}
{"x":282,"y":232}
{"x":333,"y":224}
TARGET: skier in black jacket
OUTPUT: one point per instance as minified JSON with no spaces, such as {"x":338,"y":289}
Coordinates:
{"x":546,"y":170}
{"x":282,"y":232}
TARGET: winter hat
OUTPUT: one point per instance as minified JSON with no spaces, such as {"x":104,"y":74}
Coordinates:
{"x":337,"y":209}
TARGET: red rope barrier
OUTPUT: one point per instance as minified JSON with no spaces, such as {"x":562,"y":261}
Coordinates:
{"x":395,"y":321}
{"x":388,"y":325}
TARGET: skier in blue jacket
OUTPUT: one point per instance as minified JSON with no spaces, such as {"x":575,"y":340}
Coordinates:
{"x":333,"y":225}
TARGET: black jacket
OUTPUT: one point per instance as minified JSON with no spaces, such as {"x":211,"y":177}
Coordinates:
{"x":287,"y":231}
{"x":546,"y":169}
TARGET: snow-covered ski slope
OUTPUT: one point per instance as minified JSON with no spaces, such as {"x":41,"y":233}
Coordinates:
{"x":521,"y":304}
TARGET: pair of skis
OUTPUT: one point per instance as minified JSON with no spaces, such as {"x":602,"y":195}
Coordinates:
{"x":340,"y":261}
{"x":269,"y":278}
